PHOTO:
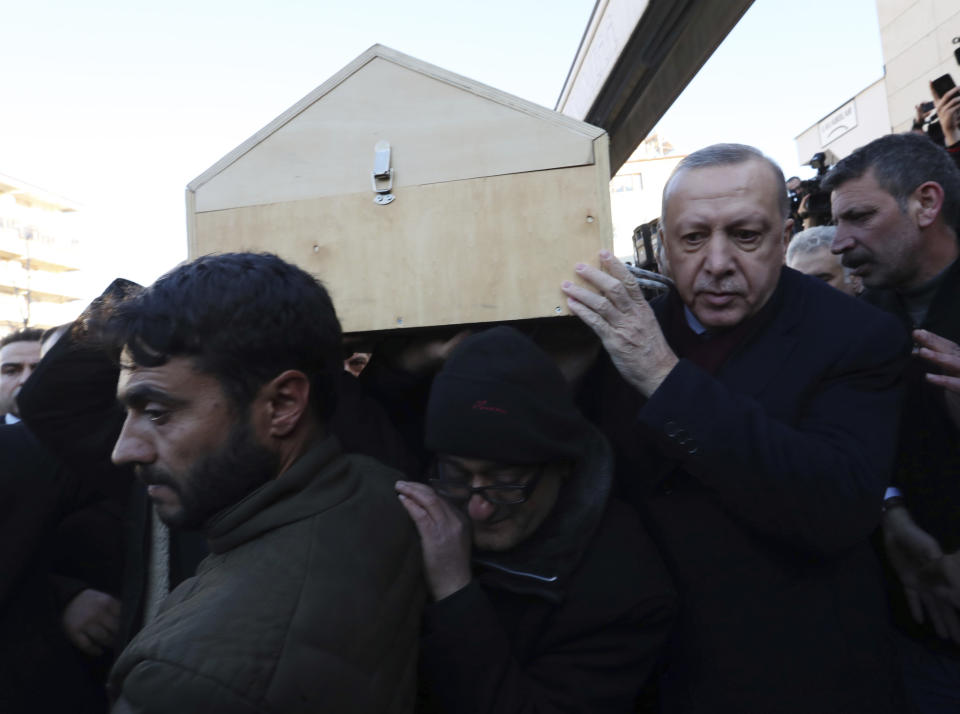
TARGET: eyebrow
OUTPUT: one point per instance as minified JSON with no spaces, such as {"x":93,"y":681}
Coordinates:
{"x":856,"y":211}
{"x":141,"y":394}
{"x":758,"y":220}
{"x":752,"y":219}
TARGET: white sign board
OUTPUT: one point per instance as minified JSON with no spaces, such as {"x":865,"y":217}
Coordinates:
{"x":839,"y":123}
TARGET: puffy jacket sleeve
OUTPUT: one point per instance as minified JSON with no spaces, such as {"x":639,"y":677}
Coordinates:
{"x":158,"y":687}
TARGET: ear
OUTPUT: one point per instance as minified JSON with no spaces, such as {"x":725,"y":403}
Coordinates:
{"x":787,"y":235}
{"x":927,"y":200}
{"x":287,"y":398}
{"x":664,"y":257}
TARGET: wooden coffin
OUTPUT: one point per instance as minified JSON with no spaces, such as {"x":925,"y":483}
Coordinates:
{"x":476,"y":213}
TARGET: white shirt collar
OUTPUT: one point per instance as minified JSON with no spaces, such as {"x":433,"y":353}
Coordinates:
{"x":693,"y":322}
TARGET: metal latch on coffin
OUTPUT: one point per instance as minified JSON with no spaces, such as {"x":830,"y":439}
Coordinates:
{"x":382,"y":175}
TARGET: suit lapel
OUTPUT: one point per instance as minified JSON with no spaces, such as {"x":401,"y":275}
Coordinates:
{"x":760,"y":358}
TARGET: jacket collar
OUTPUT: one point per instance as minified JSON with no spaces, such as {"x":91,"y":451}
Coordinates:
{"x":316,"y":481}
{"x":542,"y":564}
{"x":943,"y":308}
{"x":771,"y":338}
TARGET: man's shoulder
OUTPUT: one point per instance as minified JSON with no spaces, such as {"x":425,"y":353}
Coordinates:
{"x":822,"y":310}
{"x":375,"y":487}
{"x":19,"y":446}
{"x":622,"y":562}
{"x":372,"y":469}
{"x":825,"y":302}
{"x":257,"y":619}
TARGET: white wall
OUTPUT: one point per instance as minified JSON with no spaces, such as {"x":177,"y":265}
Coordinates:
{"x":635,"y":193}
{"x":861,"y":120}
{"x":916,"y":38}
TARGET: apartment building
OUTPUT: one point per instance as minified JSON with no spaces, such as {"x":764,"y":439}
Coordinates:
{"x":39,"y":257}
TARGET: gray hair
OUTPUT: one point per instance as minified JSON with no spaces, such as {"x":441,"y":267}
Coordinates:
{"x":899,"y":164}
{"x":725,"y":155}
{"x":810,"y":241}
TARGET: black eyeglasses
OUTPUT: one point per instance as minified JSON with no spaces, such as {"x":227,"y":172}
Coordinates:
{"x":459,"y":490}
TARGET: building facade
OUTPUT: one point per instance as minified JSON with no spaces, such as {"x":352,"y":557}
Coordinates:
{"x":917,"y":37}
{"x":859,"y":121}
{"x":39,"y":257}
{"x":636,"y":190}
{"x":920,"y":40}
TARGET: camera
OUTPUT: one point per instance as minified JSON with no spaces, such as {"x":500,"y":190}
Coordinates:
{"x":809,"y":203}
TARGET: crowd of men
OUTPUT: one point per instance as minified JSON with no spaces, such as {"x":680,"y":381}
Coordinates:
{"x":740,"y":496}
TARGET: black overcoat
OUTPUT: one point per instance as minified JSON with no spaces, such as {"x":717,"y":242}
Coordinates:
{"x":761,"y":485}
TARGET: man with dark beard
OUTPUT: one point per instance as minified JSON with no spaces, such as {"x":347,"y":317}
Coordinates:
{"x":228,"y":376}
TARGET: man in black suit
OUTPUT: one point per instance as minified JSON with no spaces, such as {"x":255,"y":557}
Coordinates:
{"x":755,"y":424}
{"x":46,"y":531}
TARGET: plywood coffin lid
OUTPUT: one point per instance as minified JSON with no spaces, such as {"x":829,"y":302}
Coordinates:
{"x":441,"y":127}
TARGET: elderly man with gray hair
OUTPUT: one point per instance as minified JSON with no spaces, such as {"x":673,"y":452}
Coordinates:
{"x":809,"y":252}
{"x":754,"y":425}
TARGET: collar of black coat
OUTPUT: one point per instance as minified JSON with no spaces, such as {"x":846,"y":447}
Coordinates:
{"x":300,"y":492}
{"x":767,"y":334}
{"x":670,"y":308}
{"x":541,"y":564}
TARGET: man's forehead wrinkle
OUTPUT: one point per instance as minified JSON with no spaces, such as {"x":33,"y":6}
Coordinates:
{"x":162,"y":379}
{"x":694,"y":219}
{"x":854,"y":201}
{"x":141,"y":393}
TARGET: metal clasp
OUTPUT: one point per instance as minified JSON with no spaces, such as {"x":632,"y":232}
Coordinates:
{"x":382,"y":174}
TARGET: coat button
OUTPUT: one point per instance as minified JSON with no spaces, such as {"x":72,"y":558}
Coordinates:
{"x":671,"y":428}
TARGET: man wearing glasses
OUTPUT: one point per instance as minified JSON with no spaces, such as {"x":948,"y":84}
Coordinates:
{"x":547,"y":595}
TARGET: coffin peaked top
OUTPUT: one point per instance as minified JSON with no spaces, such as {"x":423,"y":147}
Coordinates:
{"x":441,"y":126}
{"x":484,"y":207}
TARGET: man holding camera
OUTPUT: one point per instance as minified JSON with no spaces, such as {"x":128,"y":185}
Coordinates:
{"x":756,"y":438}
{"x":896,"y":203}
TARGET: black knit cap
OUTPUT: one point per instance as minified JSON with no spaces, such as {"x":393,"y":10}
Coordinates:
{"x":499,"y":397}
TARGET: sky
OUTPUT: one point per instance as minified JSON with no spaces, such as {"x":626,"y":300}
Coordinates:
{"x":118,"y":104}
{"x":782,"y":68}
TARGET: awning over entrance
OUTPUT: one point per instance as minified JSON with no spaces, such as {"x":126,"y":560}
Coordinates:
{"x":635,"y":58}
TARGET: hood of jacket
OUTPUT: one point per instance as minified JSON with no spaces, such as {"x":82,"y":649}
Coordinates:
{"x":296,"y":494}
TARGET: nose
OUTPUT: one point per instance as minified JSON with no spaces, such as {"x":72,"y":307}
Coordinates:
{"x":24,"y":374}
{"x":718,"y":260}
{"x":132,"y":447}
{"x":842,"y":241}
{"x":479,"y":509}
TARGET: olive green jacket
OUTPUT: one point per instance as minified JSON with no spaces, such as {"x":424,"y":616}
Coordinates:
{"x":309,"y":602}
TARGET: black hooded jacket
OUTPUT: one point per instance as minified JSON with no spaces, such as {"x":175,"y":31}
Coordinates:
{"x":570,"y":620}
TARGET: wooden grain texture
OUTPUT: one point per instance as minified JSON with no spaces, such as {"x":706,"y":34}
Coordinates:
{"x":406,"y":61}
{"x":479,"y":250}
{"x":438,"y":133}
